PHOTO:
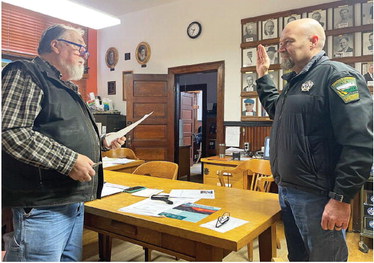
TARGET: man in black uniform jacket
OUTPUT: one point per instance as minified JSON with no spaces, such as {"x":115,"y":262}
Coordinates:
{"x":321,"y":147}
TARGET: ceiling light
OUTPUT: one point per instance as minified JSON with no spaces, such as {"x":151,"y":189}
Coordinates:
{"x":69,"y":11}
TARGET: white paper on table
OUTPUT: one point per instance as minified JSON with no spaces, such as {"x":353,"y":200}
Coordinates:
{"x":147,"y":192}
{"x":115,"y":135}
{"x":109,"y":189}
{"x":231,"y":224}
{"x":114,"y":161}
{"x":151,"y":207}
{"x":232,"y":136}
{"x":201,"y":194}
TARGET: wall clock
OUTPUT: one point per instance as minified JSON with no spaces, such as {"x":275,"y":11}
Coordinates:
{"x":194,"y":29}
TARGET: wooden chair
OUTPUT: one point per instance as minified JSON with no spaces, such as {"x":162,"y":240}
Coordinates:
{"x":260,"y":180}
{"x":120,"y":153}
{"x":162,"y":169}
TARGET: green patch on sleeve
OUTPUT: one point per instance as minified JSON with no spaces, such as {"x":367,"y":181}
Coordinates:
{"x":346,"y":88}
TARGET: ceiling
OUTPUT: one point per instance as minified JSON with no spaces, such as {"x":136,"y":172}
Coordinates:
{"x":121,"y":7}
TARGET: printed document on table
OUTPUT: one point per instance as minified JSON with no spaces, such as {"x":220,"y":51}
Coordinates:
{"x":151,"y":207}
{"x":201,"y":194}
{"x":147,"y":192}
{"x":115,"y":135}
{"x":231,"y":224}
{"x":109,"y":189}
{"x":107,"y":162}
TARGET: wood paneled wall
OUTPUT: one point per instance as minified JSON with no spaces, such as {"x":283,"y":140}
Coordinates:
{"x":255,"y":136}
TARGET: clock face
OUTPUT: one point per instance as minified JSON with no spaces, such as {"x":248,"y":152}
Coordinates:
{"x":194,"y":29}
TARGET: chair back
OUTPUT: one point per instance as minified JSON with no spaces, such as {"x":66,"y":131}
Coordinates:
{"x":121,"y":153}
{"x":259,"y":168}
{"x":162,"y":169}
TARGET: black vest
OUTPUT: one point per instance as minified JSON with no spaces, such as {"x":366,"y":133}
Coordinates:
{"x":66,"y":119}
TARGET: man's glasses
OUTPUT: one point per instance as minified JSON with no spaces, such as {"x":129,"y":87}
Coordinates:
{"x":82,"y":48}
{"x":223,"y":219}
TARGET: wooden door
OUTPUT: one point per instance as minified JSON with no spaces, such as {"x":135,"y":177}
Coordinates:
{"x":153,"y":139}
{"x":187,"y":115}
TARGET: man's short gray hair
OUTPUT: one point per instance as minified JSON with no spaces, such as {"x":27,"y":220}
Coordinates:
{"x":54,"y":32}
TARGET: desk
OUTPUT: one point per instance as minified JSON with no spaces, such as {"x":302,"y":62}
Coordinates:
{"x":125,"y":168}
{"x":182,"y":239}
{"x":213,"y":164}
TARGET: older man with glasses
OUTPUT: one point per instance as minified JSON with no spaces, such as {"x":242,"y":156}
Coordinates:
{"x":50,"y":145}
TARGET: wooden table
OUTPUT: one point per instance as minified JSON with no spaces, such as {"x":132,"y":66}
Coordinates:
{"x":125,"y":168}
{"x":183,"y":239}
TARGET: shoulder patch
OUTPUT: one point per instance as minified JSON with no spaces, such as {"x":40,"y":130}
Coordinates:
{"x":346,"y":88}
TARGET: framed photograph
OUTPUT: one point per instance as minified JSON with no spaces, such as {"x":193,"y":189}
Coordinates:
{"x":274,"y":75}
{"x":367,"y":43}
{"x":143,"y":53}
{"x":343,"y":16}
{"x":111,"y":88}
{"x":367,"y":71}
{"x":290,"y":18}
{"x":111,"y":57}
{"x":273,"y":54}
{"x":343,"y":45}
{"x":270,"y":28}
{"x":250,"y":32}
{"x":320,"y":16}
{"x":249,"y":107}
{"x":249,"y":82}
{"x":367,"y":13}
{"x":249,"y":57}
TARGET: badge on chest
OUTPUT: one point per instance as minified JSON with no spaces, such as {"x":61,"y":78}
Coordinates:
{"x":306,"y":86}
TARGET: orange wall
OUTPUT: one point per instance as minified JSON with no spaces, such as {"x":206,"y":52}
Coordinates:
{"x":91,"y":84}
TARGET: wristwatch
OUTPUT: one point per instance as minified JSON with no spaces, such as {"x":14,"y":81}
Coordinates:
{"x":336,"y":196}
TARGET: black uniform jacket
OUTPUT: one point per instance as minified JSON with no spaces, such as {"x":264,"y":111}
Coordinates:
{"x":322,"y":137}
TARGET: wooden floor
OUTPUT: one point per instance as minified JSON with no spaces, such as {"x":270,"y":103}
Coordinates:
{"x":125,"y":251}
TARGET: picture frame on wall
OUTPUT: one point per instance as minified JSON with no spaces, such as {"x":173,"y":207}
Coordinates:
{"x":367,"y":13}
{"x":111,"y":88}
{"x":367,"y":43}
{"x":343,"y":45}
{"x":249,"y":82}
{"x":249,"y":57}
{"x":273,"y":54}
{"x":143,"y":53}
{"x":249,"y":107}
{"x":320,"y":16}
{"x":270,"y":28}
{"x":111,"y":57}
{"x":290,"y":18}
{"x":343,"y":16}
{"x":367,"y":71}
{"x":250,"y":32}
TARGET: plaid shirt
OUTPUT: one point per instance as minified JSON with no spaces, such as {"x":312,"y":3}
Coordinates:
{"x":21,"y":104}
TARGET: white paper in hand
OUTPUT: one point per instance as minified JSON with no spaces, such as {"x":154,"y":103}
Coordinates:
{"x":115,"y":135}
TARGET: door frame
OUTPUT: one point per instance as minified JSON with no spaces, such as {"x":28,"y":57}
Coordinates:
{"x":219,"y":67}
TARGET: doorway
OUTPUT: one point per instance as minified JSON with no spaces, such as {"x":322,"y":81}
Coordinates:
{"x":195,"y":79}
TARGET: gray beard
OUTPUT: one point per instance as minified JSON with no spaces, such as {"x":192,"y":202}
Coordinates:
{"x":75,"y":72}
{"x":287,"y":64}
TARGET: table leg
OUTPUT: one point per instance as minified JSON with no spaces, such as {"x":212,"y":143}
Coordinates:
{"x":105,"y":247}
{"x":267,"y":244}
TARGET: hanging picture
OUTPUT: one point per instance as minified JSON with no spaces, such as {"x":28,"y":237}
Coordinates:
{"x":111,"y":57}
{"x":143,"y":53}
{"x":111,"y":88}
{"x":320,"y":16}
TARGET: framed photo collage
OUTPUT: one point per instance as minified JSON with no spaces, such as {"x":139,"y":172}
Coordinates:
{"x":349,"y":39}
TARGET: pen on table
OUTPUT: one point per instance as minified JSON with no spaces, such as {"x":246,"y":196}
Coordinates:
{"x":96,"y":164}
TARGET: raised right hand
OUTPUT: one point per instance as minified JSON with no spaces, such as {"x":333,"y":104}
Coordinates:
{"x":82,"y":170}
{"x":263,"y":61}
